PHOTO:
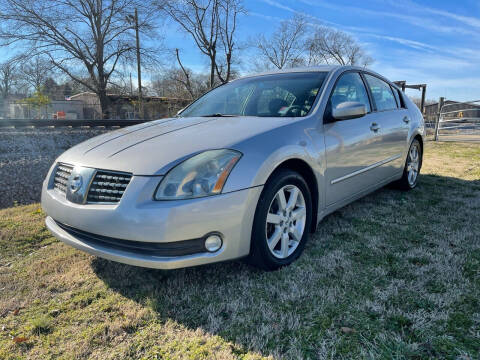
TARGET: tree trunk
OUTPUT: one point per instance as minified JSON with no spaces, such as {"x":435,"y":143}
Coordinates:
{"x":212,"y":73}
{"x":229,"y":67}
{"x":104,"y":104}
{"x":213,"y":62}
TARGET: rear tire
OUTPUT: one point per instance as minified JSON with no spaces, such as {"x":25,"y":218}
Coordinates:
{"x":282,"y":222}
{"x":413,"y":164}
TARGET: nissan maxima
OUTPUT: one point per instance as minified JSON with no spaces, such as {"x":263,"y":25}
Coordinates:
{"x":246,"y":171}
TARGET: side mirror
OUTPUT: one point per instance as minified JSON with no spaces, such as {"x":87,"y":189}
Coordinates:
{"x":349,"y":110}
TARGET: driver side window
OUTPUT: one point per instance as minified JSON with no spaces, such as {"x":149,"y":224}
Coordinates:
{"x":349,"y":87}
{"x":274,"y":102}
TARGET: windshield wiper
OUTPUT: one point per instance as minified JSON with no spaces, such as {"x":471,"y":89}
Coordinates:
{"x":218,"y":115}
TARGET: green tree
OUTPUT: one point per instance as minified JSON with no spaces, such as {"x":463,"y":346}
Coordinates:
{"x":37,"y":101}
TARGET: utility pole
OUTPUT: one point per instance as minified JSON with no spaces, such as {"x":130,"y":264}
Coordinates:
{"x":139,"y":70}
{"x":131,"y":85}
{"x":134,"y":19}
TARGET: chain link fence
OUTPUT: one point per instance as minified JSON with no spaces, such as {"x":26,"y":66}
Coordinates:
{"x":86,"y":106}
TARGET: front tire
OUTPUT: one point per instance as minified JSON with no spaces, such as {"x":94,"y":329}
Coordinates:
{"x":282,"y":221}
{"x":413,"y":164}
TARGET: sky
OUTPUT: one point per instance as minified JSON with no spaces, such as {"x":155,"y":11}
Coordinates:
{"x":432,"y":42}
{"x":436,"y":42}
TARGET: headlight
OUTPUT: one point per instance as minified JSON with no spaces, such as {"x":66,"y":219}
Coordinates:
{"x":202,"y":175}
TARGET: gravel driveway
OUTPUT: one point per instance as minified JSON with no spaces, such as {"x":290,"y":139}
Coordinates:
{"x":27,"y":154}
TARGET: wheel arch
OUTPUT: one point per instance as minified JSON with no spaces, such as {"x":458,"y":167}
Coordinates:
{"x":420,"y":140}
{"x":304,"y":169}
{"x":415,"y":134}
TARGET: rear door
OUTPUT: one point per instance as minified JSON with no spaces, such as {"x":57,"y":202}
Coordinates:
{"x":393,"y":120}
{"x":352,"y":147}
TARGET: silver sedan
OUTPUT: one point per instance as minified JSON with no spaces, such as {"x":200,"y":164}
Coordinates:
{"x":248,"y":170}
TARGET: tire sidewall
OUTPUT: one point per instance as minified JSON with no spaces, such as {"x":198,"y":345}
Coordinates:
{"x":259,"y":248}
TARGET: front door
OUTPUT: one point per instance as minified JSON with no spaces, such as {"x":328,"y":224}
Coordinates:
{"x":352,"y":146}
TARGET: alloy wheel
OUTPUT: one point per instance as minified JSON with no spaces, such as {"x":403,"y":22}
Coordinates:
{"x":285,"y":222}
{"x":413,"y":164}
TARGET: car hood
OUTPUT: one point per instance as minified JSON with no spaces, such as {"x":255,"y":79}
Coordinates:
{"x":152,"y":148}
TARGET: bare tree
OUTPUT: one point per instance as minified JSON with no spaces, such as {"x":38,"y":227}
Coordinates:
{"x":285,"y":47}
{"x":333,"y":46}
{"x":77,"y":87}
{"x":172,"y":82}
{"x":229,"y":11}
{"x":8,"y":77}
{"x":184,"y":77}
{"x":79,"y":36}
{"x":36,"y":71}
{"x":418,"y":101}
{"x":211,"y":24}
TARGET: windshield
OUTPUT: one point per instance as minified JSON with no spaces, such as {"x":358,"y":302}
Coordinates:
{"x":288,"y":94}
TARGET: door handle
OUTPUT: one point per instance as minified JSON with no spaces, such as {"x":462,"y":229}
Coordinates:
{"x":406,"y":119}
{"x":374,"y":127}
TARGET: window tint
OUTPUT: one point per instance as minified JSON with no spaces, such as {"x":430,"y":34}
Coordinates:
{"x":231,"y":102}
{"x":290,"y":94}
{"x":275,"y":100}
{"x":349,"y":87}
{"x":382,"y":93}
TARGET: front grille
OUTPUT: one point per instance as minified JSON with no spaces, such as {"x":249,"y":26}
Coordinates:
{"x":108,"y":187}
{"x":62,"y":173}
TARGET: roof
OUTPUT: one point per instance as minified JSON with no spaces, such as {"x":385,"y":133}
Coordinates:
{"x":319,"y":68}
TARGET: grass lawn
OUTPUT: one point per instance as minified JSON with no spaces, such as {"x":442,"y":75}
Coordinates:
{"x":394,"y":275}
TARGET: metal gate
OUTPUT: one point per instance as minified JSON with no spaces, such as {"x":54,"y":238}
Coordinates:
{"x":458,"y":121}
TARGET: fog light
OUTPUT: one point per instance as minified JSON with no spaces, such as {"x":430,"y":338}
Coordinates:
{"x":213,"y":242}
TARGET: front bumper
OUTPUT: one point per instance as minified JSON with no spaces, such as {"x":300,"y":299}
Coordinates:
{"x":138,"y":218}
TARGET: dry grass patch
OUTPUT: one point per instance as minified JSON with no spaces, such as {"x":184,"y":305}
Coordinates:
{"x":394,"y":275}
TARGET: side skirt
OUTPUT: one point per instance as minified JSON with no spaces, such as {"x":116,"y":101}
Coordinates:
{"x":331,"y":208}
